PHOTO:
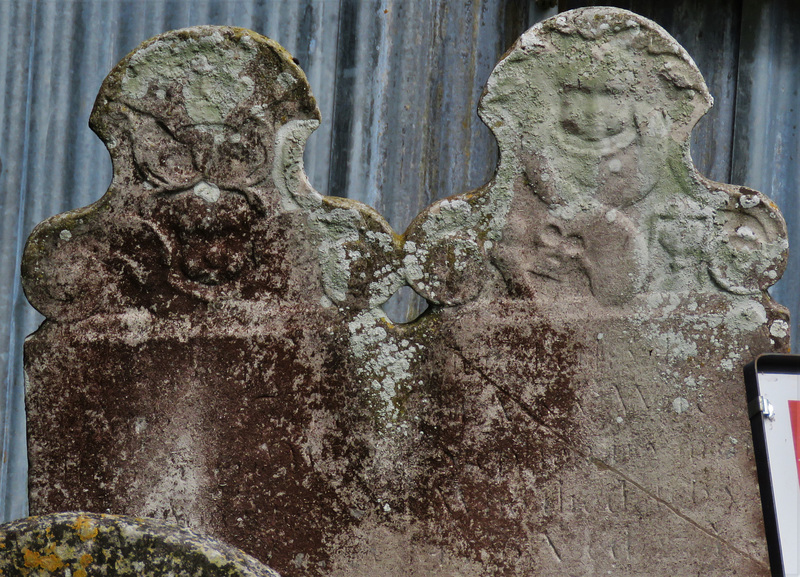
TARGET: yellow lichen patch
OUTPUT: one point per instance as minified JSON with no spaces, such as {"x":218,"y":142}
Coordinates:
{"x":51,"y":562}
{"x":80,"y":572}
{"x":86,"y":559}
{"x":31,"y":557}
{"x":85,"y":528}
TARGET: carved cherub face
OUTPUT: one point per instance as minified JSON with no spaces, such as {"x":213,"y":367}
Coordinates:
{"x":190,"y":120}
{"x":199,"y":110}
{"x":595,"y":118}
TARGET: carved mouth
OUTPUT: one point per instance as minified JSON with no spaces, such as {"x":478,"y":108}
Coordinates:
{"x":581,"y":145}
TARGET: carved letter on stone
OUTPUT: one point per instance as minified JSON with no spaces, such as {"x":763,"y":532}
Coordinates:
{"x":215,"y":351}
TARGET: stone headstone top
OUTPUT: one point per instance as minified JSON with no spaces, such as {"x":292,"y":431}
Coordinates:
{"x":596,"y":196}
{"x":88,"y":545}
{"x":215,"y":351}
{"x":208,"y":203}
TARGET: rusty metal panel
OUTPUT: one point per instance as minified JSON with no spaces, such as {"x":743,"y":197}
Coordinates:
{"x":405,"y":130}
{"x":15,"y":103}
{"x":766,"y":151}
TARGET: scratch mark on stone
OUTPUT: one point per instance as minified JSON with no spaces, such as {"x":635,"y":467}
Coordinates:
{"x":606,"y":467}
{"x":553,"y":547}
{"x":568,"y":443}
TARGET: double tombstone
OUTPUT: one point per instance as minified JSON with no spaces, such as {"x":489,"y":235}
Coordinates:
{"x":215,"y":352}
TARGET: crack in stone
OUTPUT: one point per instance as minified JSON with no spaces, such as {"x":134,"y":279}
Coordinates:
{"x":604,"y":466}
{"x":600,"y":464}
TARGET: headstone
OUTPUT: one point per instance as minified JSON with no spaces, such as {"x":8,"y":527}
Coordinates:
{"x":571,"y":403}
{"x":88,"y":544}
{"x":193,"y":363}
{"x":607,"y":297}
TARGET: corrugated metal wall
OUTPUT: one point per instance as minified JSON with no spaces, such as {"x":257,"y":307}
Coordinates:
{"x":766,"y":142}
{"x":397,"y":83}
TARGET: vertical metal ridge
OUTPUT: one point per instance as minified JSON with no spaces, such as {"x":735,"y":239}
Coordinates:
{"x":60,"y":142}
{"x":340,"y":118}
{"x":8,"y":505}
{"x":6,"y":20}
{"x":735,"y":96}
{"x":378,"y":124}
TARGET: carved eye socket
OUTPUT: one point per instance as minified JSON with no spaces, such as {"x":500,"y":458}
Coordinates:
{"x":160,"y":157}
{"x":229,"y":156}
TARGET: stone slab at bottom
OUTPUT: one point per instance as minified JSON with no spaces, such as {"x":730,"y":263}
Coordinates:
{"x":88,"y":544}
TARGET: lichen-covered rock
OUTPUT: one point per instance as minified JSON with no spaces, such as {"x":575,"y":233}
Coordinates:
{"x":88,"y":544}
{"x":571,"y":403}
{"x":193,"y":364}
{"x":588,"y":366}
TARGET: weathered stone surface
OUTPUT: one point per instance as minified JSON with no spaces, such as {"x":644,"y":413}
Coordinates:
{"x":592,"y":373}
{"x":88,"y":544}
{"x":570,"y":404}
{"x":191,"y":364}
